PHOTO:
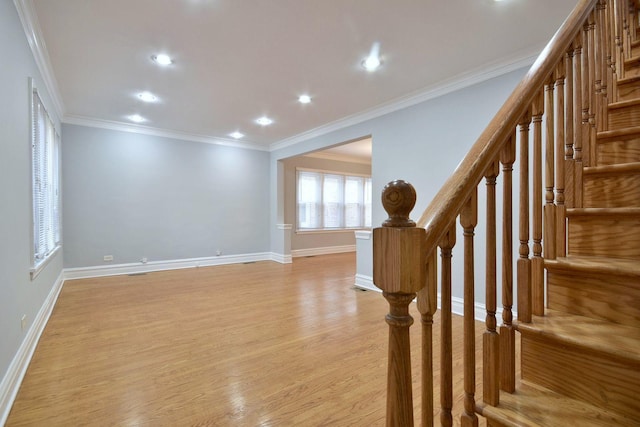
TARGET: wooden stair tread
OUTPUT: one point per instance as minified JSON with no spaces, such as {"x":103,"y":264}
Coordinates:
{"x":532,"y":406}
{"x":633,"y":212}
{"x":618,"y":133}
{"x":628,"y":80}
{"x":596,"y":265}
{"x":617,"y":341}
{"x":624,"y":104}
{"x":632,"y":61}
{"x":625,"y":168}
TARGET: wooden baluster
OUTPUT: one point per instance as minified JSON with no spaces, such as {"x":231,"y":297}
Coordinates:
{"x":490,"y":338}
{"x":507,"y":330}
{"x":549,"y":175}
{"x":617,"y":23}
{"x":593,"y":90}
{"x":524,"y":263}
{"x":604,"y":61}
{"x":427,"y":305}
{"x":570,"y":134}
{"x":559,"y":224}
{"x":585,"y":128}
{"x":399,"y":269}
{"x":537,"y":262}
{"x":446,"y":346}
{"x":468,"y":221}
{"x":611,"y":52}
{"x":597,"y":64}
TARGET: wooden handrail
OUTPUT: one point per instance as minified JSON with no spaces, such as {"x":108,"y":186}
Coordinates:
{"x":451,"y":198}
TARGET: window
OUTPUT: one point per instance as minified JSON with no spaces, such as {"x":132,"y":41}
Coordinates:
{"x":45,"y":159}
{"x":332,"y":201}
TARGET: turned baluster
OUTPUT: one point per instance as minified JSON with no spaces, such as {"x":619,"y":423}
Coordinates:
{"x":602,"y":62}
{"x":427,"y":305}
{"x":468,"y":221}
{"x":537,"y":263}
{"x":490,"y":338}
{"x":399,"y":269}
{"x":549,"y":175}
{"x":446,"y":341}
{"x":597,"y":63}
{"x":570,"y":135}
{"x":507,"y":330}
{"x":579,"y":128}
{"x":617,"y":28}
{"x":524,"y":263}
{"x":559,"y":238}
{"x":593,"y":91}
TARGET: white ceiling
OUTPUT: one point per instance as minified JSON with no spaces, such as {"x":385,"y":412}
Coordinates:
{"x":236,"y":60}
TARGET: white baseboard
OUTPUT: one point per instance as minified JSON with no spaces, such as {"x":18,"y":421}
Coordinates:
{"x":322,"y":251}
{"x":366,"y":282}
{"x":136,"y":268}
{"x":281,"y":258}
{"x":457,"y":304}
{"x":18,"y":367}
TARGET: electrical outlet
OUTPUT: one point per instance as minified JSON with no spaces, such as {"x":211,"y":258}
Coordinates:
{"x":23,"y":322}
{"x":218,"y":252}
{"x":143,"y":260}
{"x":108,"y":257}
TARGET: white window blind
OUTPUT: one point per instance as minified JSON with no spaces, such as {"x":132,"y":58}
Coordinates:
{"x":328,"y":200}
{"x":45,"y":151}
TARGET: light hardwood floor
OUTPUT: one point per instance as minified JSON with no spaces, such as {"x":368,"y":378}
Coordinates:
{"x":260,"y":344}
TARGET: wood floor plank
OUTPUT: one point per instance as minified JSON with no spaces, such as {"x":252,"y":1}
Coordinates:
{"x":260,"y":344}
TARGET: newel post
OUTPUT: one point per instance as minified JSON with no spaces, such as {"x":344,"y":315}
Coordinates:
{"x":399,"y":269}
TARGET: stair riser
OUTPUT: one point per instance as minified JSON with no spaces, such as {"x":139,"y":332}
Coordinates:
{"x":605,"y":190}
{"x":635,"y":50}
{"x":610,"y":297}
{"x":590,"y":377}
{"x":616,"y":151}
{"x":624,"y":117}
{"x":609,"y":236}
{"x":632,"y":70}
{"x":628,"y":91}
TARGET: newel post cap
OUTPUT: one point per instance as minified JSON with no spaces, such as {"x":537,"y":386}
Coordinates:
{"x":399,"y":256}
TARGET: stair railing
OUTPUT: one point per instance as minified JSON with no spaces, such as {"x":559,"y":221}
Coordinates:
{"x":554,"y":112}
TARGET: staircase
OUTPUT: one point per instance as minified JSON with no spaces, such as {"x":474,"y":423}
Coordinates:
{"x":577,"y":234}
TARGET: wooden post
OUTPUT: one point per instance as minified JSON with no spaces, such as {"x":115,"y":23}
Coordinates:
{"x":507,"y":330}
{"x":399,"y":269}
{"x":490,"y":338}
{"x":537,"y":263}
{"x":524,"y":262}
{"x":446,"y":332}
{"x":468,"y":221}
{"x":427,"y":305}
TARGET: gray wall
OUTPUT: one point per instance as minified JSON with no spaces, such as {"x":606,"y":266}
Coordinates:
{"x":422,"y":144}
{"x":132,"y":196}
{"x":19,"y":295}
{"x":315,"y":239}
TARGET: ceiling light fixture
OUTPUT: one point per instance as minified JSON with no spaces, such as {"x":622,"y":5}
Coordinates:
{"x":304,"y":99}
{"x":162,"y":59}
{"x":372,"y":62}
{"x":137,"y":118}
{"x":147,"y":97}
{"x":236,"y":135}
{"x":264,"y":121}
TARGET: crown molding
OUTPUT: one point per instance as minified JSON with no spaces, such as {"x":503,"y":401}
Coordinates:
{"x":29,"y":20}
{"x":147,"y":130}
{"x":460,"y":81}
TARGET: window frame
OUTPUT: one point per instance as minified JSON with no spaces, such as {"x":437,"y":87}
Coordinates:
{"x":45,"y":146}
{"x":321,"y":207}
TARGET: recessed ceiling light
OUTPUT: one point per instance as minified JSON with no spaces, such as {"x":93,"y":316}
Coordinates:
{"x":236,"y":135}
{"x":162,"y":59}
{"x":137,"y":118}
{"x":147,"y":97}
{"x":304,"y":99}
{"x":373,"y":61}
{"x":264,"y":121}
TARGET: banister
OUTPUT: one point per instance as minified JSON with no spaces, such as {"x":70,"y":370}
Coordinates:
{"x":451,"y":198}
